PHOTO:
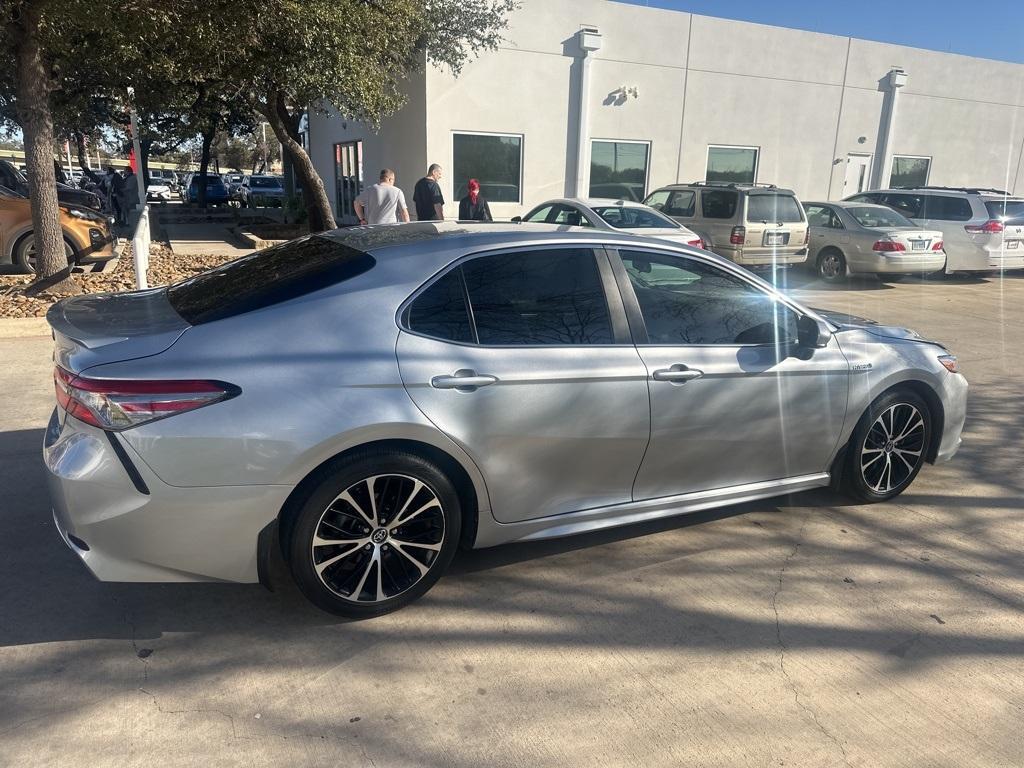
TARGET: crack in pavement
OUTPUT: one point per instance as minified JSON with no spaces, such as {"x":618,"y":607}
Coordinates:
{"x":807,"y":709}
{"x":200,"y":710}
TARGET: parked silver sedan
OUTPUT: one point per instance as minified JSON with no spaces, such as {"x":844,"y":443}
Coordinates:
{"x":369,"y":400}
{"x":862,"y":238}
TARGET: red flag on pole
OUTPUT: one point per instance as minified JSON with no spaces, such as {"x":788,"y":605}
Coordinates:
{"x":131,"y":160}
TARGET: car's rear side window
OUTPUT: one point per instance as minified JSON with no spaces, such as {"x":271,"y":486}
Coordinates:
{"x":911,"y":206}
{"x":267,"y":277}
{"x":774,"y":208}
{"x":526,"y":298}
{"x":946,"y":208}
{"x":441,"y":312}
{"x":999,"y":209}
{"x":718,"y":203}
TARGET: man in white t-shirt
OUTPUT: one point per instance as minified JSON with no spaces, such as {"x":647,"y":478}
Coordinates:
{"x":382,"y":203}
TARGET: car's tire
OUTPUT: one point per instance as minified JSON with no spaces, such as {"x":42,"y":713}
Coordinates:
{"x":24,"y":254}
{"x":888,"y":446}
{"x":830,"y":265}
{"x":414,"y":515}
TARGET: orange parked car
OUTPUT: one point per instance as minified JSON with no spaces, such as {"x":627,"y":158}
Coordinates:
{"x":88,"y":237}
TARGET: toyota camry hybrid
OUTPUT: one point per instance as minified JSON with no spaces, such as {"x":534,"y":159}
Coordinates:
{"x":368,"y":400}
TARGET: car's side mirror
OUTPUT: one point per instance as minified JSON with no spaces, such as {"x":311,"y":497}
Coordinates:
{"x":812,"y":333}
{"x":517,"y":219}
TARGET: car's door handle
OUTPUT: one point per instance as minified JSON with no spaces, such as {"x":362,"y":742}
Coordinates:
{"x":463,"y":380}
{"x":677,"y":373}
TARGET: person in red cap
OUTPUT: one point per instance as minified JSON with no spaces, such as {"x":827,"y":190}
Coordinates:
{"x":473,"y":207}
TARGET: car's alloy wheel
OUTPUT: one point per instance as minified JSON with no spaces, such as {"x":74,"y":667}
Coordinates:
{"x":378,"y":538}
{"x":25,"y":254}
{"x":893,"y":448}
{"x":831,"y":266}
{"x":888,"y":447}
{"x":375,"y":534}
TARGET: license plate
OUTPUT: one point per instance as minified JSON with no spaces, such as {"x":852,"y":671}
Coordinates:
{"x":918,"y":245}
{"x":774,"y":238}
{"x":1012,"y":244}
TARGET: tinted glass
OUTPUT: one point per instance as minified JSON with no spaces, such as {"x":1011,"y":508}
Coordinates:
{"x":255,"y":181}
{"x":538,"y":297}
{"x":1000,"y":209}
{"x":682,"y":203}
{"x":539,"y":214}
{"x":878,"y":217}
{"x":687,"y":302}
{"x":718,"y":203}
{"x":566,"y":214}
{"x":946,"y":208}
{"x":818,"y":216}
{"x":267,"y":277}
{"x":625,"y":217}
{"x":494,"y":161}
{"x":774,"y":208}
{"x":911,"y":206}
{"x":657,"y":200}
{"x":618,"y":169}
{"x":731,"y":164}
{"x":440,"y":311}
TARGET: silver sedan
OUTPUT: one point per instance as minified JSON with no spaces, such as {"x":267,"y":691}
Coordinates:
{"x":862,"y":238}
{"x":369,"y":400}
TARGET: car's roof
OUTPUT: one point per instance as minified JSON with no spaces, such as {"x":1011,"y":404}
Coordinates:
{"x":592,"y":202}
{"x":766,"y":189}
{"x":987,"y":194}
{"x":845,"y":204}
{"x":448,"y":235}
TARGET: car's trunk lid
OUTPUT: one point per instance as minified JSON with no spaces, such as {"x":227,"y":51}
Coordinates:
{"x":112,"y":327}
{"x":912,"y":240}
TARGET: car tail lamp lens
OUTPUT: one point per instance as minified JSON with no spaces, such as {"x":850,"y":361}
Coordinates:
{"x":950,"y":363}
{"x":887,"y":246}
{"x":938,"y":245}
{"x":990,"y":227}
{"x":698,"y":243}
{"x":117,"y":404}
{"x":807,"y":235}
{"x":738,"y":235}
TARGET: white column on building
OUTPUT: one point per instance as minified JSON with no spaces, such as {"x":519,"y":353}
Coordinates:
{"x":589,"y":40}
{"x":883,"y":161}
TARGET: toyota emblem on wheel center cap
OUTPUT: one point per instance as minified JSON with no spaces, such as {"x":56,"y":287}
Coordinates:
{"x":379,"y":536}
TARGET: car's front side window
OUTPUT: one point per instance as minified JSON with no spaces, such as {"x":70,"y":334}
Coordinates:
{"x":538,"y":214}
{"x":687,"y":302}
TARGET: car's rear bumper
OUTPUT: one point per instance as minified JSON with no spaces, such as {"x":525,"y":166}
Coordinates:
{"x":901,"y":263}
{"x":764,"y":257}
{"x":127,"y":525}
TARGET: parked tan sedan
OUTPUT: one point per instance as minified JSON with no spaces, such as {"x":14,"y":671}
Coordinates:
{"x":861,"y":238}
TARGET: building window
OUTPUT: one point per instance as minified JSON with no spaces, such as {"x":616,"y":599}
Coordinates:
{"x":348,"y":177}
{"x":736,"y":165}
{"x":618,"y":169}
{"x":909,"y":171}
{"x":493,"y":159}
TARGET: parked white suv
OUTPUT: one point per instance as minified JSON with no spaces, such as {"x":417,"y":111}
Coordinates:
{"x":983,"y":229}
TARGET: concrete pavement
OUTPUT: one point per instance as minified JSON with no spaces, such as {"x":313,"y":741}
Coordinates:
{"x":804,"y":631}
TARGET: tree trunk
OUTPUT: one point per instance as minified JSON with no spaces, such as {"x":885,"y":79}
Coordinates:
{"x":318,"y":205}
{"x":204,"y":164}
{"x":33,"y":93}
{"x":82,"y":162}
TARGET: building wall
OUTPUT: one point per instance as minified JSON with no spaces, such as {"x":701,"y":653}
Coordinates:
{"x":804,"y":99}
{"x":399,"y":143}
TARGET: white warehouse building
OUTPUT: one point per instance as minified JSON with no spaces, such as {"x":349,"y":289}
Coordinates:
{"x":599,"y":98}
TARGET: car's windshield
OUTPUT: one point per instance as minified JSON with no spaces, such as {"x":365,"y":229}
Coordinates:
{"x":257,"y":181}
{"x":211,"y":181}
{"x":871,"y":216}
{"x":774,"y":208}
{"x":1005,"y":209}
{"x":630,"y":217}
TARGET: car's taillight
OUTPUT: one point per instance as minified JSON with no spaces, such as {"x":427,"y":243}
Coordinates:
{"x":698,"y":243}
{"x":888,"y":245}
{"x":117,"y":404}
{"x":937,"y":245}
{"x":807,"y":235}
{"x":738,"y":235}
{"x":990,"y":227}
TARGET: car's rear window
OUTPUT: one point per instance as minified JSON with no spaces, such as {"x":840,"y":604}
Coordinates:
{"x":267,"y":277}
{"x":999,"y":209}
{"x":774,"y":208}
{"x":628,"y":217}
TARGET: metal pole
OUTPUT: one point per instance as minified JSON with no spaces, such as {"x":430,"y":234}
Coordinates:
{"x":140,"y":242}
{"x":67,"y":146}
{"x":266,"y":168}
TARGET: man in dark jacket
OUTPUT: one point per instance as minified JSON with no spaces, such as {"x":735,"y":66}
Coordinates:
{"x":427,"y":196}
